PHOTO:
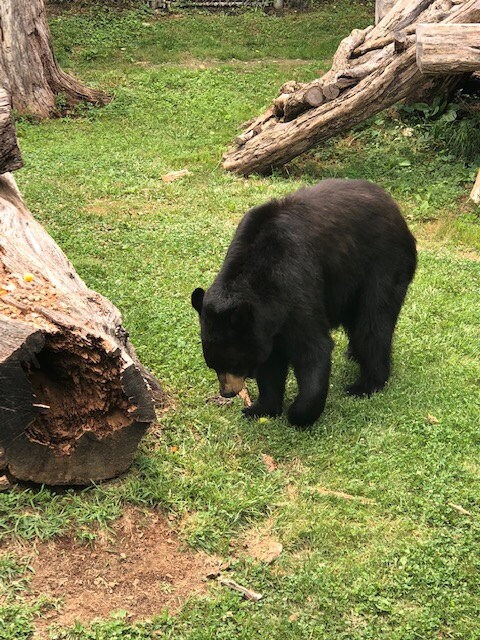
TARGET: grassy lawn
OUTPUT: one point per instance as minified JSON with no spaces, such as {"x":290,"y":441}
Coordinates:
{"x":397,"y":561}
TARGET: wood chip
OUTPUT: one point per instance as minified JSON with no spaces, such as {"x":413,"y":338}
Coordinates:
{"x":269,"y":462}
{"x":175,"y":175}
{"x":4,"y":483}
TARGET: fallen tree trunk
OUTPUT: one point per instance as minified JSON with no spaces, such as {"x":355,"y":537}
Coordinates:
{"x":448,"y":48}
{"x":372,"y":70}
{"x":74,"y":399}
{"x":30,"y":72}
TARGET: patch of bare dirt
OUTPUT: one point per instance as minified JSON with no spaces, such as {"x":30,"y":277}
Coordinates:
{"x":439,"y":235}
{"x":140,"y":568}
{"x":260,"y":544}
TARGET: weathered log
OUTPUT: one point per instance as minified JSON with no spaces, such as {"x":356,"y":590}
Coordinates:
{"x":371,"y":45}
{"x":382,"y":7}
{"x":357,"y":86}
{"x":475,"y":194}
{"x":403,"y":14}
{"x":74,"y":399}
{"x":283,"y":141}
{"x":30,"y":72}
{"x":10,"y":156}
{"x":448,"y":48}
{"x":400,"y":41}
{"x":289,"y":105}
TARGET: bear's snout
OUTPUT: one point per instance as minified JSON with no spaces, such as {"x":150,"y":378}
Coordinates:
{"x":230,"y":384}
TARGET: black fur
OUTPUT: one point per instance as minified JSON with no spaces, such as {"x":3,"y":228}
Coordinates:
{"x":338,"y":253}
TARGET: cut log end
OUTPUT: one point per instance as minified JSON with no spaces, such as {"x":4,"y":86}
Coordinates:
{"x":314,"y":96}
{"x":331,"y":90}
{"x":71,"y":412}
{"x":444,"y":49}
{"x":81,"y":384}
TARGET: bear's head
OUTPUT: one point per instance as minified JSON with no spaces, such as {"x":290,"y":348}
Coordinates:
{"x":228,"y":339}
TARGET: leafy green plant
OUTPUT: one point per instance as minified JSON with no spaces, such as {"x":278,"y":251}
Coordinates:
{"x":453,"y":125}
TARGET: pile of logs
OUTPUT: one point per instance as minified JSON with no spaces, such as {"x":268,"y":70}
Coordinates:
{"x":417,"y":48}
{"x":74,"y":399}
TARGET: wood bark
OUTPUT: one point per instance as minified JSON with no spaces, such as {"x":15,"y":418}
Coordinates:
{"x":10,"y":156}
{"x":30,"y":72}
{"x":448,"y":48}
{"x":288,"y":105}
{"x":382,"y":7}
{"x":372,"y":70}
{"x":74,"y":399}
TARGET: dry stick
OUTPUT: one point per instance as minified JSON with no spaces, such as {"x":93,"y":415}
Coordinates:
{"x":248,"y":594}
{"x":245,"y":396}
{"x":360,"y":71}
{"x":343,"y":495}
{"x":460,"y":509}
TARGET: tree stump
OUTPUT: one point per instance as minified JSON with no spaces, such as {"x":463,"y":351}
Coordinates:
{"x":74,"y":399}
{"x":30,"y":72}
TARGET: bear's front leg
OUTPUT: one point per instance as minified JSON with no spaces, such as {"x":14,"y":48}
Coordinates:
{"x":271,"y":377}
{"x":312,"y":371}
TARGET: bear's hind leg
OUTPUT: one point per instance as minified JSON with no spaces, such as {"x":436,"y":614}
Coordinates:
{"x":271,"y":377}
{"x":371,"y":337}
{"x":312,"y":366}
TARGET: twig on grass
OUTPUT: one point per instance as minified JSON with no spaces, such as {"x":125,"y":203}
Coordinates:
{"x":460,"y":509}
{"x":248,"y":594}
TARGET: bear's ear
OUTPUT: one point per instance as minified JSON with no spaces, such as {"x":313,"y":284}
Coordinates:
{"x":242,"y":315}
{"x":197,"y":299}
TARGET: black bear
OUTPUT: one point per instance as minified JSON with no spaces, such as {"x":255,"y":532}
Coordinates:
{"x":337,"y":253}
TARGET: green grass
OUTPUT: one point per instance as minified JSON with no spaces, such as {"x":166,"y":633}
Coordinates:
{"x":401,"y":566}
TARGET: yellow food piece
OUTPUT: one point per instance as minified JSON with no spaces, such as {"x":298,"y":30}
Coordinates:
{"x":28,"y":277}
{"x":263,"y":420}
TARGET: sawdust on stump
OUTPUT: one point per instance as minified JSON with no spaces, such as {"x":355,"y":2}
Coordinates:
{"x":140,"y":568}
